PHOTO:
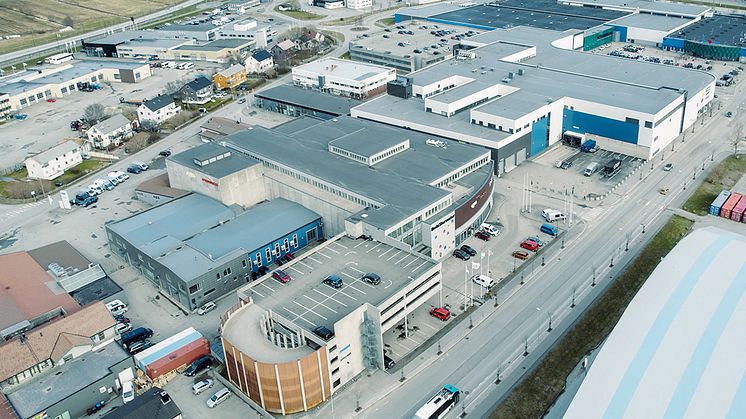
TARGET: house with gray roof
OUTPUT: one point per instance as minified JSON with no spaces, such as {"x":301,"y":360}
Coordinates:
{"x":197,"y":92}
{"x":154,"y":403}
{"x":158,"y":109}
{"x":52,"y":163}
{"x":111,"y":131}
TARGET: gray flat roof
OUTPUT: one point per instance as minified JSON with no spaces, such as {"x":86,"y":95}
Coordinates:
{"x":66,"y":380}
{"x":357,"y":142}
{"x":551,"y":75}
{"x":721,"y":29}
{"x":677,"y":351}
{"x":193,"y":234}
{"x":186,"y":27}
{"x":217,"y":169}
{"x":649,"y":6}
{"x":400,"y":183}
{"x":309,"y":303}
{"x":311,"y":99}
{"x":337,"y":67}
{"x":421,"y":39}
{"x":155,"y":42}
{"x":218,"y":44}
{"x":654,"y":22}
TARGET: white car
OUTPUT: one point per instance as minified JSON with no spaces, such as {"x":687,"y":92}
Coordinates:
{"x":122,"y":328}
{"x":201,"y":386}
{"x":128,"y":392}
{"x":116,"y":307}
{"x":218,"y":397}
{"x":208,"y":307}
{"x":490,"y":229}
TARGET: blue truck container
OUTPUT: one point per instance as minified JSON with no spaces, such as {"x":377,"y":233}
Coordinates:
{"x":588,"y":146}
{"x":719,"y":202}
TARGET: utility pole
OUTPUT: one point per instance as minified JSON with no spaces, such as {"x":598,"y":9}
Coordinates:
{"x":593,"y":284}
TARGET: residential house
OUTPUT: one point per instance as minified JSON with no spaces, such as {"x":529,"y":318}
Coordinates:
{"x":55,"y":343}
{"x":309,"y":39}
{"x":198,"y":91}
{"x":259,"y":61}
{"x":52,"y":163}
{"x":110,"y":131}
{"x":283,"y":51}
{"x":70,"y":389}
{"x":230,"y":78}
{"x":159,"y":109}
{"x":152,"y":404}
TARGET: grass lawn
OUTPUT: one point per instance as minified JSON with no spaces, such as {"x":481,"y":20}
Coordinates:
{"x":541,"y":387}
{"x":87,"y":166}
{"x":70,"y":176}
{"x":724,"y":176}
{"x":389,"y":21}
{"x":300,"y":14}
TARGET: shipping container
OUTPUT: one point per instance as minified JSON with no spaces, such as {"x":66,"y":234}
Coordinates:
{"x":718,"y":202}
{"x":166,"y":347}
{"x":727,"y":208}
{"x":182,"y":356}
{"x":738,"y":210}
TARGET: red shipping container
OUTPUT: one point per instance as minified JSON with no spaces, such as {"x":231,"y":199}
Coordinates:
{"x":738,"y":210}
{"x":727,"y":208}
{"x":184,"y":355}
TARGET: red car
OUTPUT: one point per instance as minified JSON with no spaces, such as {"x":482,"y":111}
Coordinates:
{"x":441,"y":313}
{"x":530,"y":245}
{"x":51,"y":100}
{"x":281,"y":276}
{"x":482,"y":235}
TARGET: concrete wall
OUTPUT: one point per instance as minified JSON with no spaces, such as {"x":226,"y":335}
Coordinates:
{"x":245,"y":187}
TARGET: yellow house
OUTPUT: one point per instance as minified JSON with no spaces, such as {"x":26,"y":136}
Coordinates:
{"x":230,"y":77}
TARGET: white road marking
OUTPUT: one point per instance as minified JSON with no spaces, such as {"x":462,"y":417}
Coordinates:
{"x":320,"y":303}
{"x":394,"y":255}
{"x":431,"y":327}
{"x":319,"y":253}
{"x":340,"y":244}
{"x":410,"y":262}
{"x":359,"y":244}
{"x":348,"y":295}
{"x":315,"y":260}
{"x":400,"y":260}
{"x":355,"y":269}
{"x":308,"y":310}
{"x":296,"y":270}
{"x":329,"y":248}
{"x":384,"y":253}
{"x":373,"y":248}
{"x":419,"y":266}
{"x":267,"y":287}
{"x":300,"y":262}
{"x":331,"y":297}
{"x":355,"y":288}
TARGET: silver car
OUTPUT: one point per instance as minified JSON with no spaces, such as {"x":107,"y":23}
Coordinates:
{"x":201,"y":386}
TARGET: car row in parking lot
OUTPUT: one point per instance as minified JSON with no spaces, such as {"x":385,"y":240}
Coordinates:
{"x":485,"y":232}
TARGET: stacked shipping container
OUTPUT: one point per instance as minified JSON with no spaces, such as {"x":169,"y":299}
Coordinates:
{"x":718,"y":203}
{"x":170,"y":354}
{"x":727,"y":209}
{"x":738,"y":210}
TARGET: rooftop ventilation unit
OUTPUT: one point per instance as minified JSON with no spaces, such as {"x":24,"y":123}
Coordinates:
{"x":507,"y":80}
{"x":521,"y":72}
{"x":56,"y":269}
{"x":511,"y":75}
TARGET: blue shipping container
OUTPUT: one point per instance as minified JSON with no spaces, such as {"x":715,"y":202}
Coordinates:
{"x":719,"y":202}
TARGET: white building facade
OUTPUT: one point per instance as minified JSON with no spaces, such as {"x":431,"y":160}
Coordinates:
{"x":53,"y":162}
{"x":343,"y":77}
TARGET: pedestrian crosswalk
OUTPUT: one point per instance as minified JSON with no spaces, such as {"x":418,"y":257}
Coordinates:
{"x":21,"y":209}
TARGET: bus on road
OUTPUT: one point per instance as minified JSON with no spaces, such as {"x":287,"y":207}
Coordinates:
{"x":440,"y":404}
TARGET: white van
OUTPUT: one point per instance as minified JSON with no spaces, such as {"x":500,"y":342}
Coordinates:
{"x":552,"y":215}
{"x":591,"y":169}
{"x":94,"y":189}
{"x":128,"y":392}
{"x":483,"y":280}
{"x":187,"y":66}
{"x":116,"y":307}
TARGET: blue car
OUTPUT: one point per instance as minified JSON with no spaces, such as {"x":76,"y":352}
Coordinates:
{"x":134,"y":169}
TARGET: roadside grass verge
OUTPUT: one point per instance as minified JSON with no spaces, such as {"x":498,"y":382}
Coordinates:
{"x":724,"y":176}
{"x":540,"y":388}
{"x":300,"y":14}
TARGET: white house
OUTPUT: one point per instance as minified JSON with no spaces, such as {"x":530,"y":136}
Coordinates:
{"x":343,"y":77}
{"x":159,"y":109}
{"x":359,"y":4}
{"x":110,"y":131}
{"x":259,"y":61}
{"x":52,"y":163}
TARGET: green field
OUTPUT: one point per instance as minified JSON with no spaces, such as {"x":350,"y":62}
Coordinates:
{"x":537,"y":392}
{"x":724,"y":176}
{"x":300,"y":14}
{"x":40,"y":21}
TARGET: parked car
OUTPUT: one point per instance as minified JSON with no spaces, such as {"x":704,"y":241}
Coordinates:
{"x":138,"y":346}
{"x":128,"y":392}
{"x":728,"y":114}
{"x":461,"y":254}
{"x":202,"y":385}
{"x":198,"y":365}
{"x":482,"y":235}
{"x":333,"y":281}
{"x":281,"y":276}
{"x":165,"y":153}
{"x":668,"y":167}
{"x":441,"y":313}
{"x":121,"y":319}
{"x":530,"y":245}
{"x":664,"y":191}
{"x":134,"y":169}
{"x":520,"y":254}
{"x":536,"y":240}
{"x":388,"y":363}
{"x":242,"y":101}
{"x":51,"y":100}
{"x":141,"y":165}
{"x":116,"y":307}
{"x":206,"y":308}
{"x":566,"y":164}
{"x":371,"y":278}
{"x":468,"y":249}
{"x":84,"y":199}
{"x":122,"y":327}
{"x":218,"y":397}
{"x":262,"y":270}
{"x":490,"y":229}
{"x":21,"y":116}
{"x":323,"y":332}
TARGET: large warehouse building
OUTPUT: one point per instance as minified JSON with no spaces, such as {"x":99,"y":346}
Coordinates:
{"x":274,"y":349}
{"x":518,"y":91}
{"x":677,"y":351}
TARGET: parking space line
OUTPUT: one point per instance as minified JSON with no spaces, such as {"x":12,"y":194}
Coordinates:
{"x":431,"y":327}
{"x":400,"y":260}
{"x":373,"y":248}
{"x":348,"y":295}
{"x":384,"y":253}
{"x":359,"y":244}
{"x":340,"y":244}
{"x":296,"y":270}
{"x":301,"y":318}
{"x":320,"y":303}
{"x":300,"y":262}
{"x":402,"y":343}
{"x":329,"y":248}
{"x":419,"y":266}
{"x":355,"y":288}
{"x":394,"y":255}
{"x":331,"y":297}
{"x":319,"y":253}
{"x":410,"y":262}
{"x":308,"y":310}
{"x":355,"y":269}
{"x":267,"y":287}
{"x":393,"y":352}
{"x":315,"y":260}
{"x":257,"y":292}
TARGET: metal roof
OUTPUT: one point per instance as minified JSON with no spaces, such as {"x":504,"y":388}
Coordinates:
{"x":112,"y":123}
{"x":311,"y":99}
{"x":54,"y":152}
{"x":220,"y":168}
{"x":147,"y":405}
{"x":194,"y":234}
{"x":261,"y":55}
{"x":217,"y":45}
{"x":158,"y":102}
{"x":346,"y":69}
{"x":720,"y":29}
{"x":677,"y":350}
{"x":652,"y":22}
{"x":400,"y":184}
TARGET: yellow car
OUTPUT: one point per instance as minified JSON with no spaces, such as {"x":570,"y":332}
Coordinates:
{"x":664,"y":191}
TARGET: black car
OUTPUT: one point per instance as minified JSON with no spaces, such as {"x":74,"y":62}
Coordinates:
{"x":263,"y":270}
{"x":202,"y":363}
{"x":461,"y":254}
{"x":371,"y":278}
{"x":468,"y":249}
{"x":134,"y":169}
{"x":165,"y":153}
{"x":566,"y":164}
{"x":323,"y":332}
{"x":388,"y":363}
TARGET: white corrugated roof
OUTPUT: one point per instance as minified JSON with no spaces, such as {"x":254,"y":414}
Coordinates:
{"x":678,"y":350}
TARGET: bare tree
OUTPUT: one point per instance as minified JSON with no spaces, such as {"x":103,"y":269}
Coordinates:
{"x":737,"y":138}
{"x":138,"y":142}
{"x":68,"y":21}
{"x":148,"y":125}
{"x":173,"y":87}
{"x":94,"y":113}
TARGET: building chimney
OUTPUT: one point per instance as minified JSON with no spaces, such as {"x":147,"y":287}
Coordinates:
{"x":165,"y":398}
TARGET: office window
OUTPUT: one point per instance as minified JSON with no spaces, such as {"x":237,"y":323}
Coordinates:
{"x":277,"y":248}
{"x":648,"y":124}
{"x":243,"y":263}
{"x":287,"y":245}
{"x":268,"y":254}
{"x":194,"y":288}
{"x":217,"y":274}
{"x":208,"y":292}
{"x":295,"y":240}
{"x":258,"y":259}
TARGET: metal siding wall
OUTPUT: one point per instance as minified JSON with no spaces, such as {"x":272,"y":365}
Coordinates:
{"x":539,"y":136}
{"x":673,"y":43}
{"x":622,"y":31}
{"x":585,"y":123}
